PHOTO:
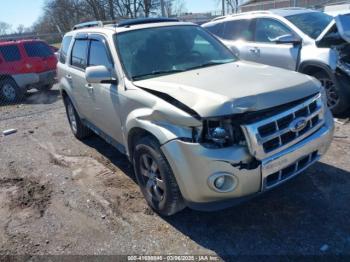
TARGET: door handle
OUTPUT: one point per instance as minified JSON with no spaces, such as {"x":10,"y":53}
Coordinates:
{"x":68,"y":76}
{"x":255,"y":50}
{"x":89,"y":87}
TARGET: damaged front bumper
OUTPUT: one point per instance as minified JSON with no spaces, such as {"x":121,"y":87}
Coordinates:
{"x":194,"y":165}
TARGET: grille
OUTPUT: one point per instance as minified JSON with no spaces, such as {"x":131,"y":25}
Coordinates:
{"x":291,"y":170}
{"x":275,"y":133}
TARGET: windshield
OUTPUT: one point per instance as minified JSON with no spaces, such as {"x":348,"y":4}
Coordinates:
{"x":151,"y":52}
{"x":312,"y":24}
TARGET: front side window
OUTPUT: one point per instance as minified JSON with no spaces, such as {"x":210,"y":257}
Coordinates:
{"x":151,"y":52}
{"x":79,"y":53}
{"x":10,"y":53}
{"x":269,"y":30}
{"x":64,"y":48}
{"x":238,"y":29}
{"x":37,"y":49}
{"x":312,"y":24}
{"x":98,"y":54}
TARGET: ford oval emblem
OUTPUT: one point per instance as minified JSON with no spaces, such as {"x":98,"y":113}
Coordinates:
{"x":298,"y":124}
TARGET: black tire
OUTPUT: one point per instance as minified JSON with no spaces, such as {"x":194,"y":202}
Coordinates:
{"x":337,"y":98}
{"x":79,"y":130}
{"x":171,"y":200}
{"x":10,"y":92}
{"x":45,"y":87}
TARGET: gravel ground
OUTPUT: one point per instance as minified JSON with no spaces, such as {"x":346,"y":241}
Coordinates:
{"x":62,"y":196}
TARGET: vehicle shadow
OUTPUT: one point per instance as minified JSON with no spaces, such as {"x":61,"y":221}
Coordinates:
{"x":301,"y":216}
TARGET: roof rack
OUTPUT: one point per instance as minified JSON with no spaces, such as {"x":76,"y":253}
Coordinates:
{"x":139,"y":21}
{"x":124,"y":23}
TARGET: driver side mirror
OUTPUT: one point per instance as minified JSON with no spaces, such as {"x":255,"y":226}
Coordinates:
{"x":100,"y":75}
{"x":287,"y":39}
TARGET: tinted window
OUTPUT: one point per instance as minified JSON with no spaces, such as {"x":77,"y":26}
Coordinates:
{"x":64,"y":48}
{"x":98,"y":54}
{"x":37,"y":49}
{"x":267,"y":30}
{"x":79,"y":53}
{"x":216,"y":29}
{"x":311,"y":24}
{"x":238,"y":29}
{"x":10,"y":53}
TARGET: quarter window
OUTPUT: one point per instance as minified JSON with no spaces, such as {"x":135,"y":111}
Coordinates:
{"x":238,"y":29}
{"x":37,"y":49}
{"x":268,"y":30}
{"x":98,"y":54}
{"x":10,"y":53}
{"x":79,"y":53}
{"x":64,"y":48}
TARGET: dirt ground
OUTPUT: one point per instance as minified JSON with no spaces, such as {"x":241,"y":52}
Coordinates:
{"x":62,"y":196}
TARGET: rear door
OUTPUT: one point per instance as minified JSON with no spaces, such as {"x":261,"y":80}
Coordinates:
{"x":265,"y":50}
{"x":105,"y":97}
{"x":40,"y":56}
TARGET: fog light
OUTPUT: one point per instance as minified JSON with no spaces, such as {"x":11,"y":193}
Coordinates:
{"x":223,"y":182}
{"x":219,"y":182}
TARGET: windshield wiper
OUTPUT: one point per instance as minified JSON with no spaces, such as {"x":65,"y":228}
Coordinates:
{"x":155,"y":73}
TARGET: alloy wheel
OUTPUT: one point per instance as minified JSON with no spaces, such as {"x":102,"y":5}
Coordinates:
{"x":331,"y":91}
{"x":71,"y":117}
{"x":152,"y":180}
{"x":9,"y":92}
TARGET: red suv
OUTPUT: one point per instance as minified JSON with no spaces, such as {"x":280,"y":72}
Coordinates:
{"x":25,"y":64}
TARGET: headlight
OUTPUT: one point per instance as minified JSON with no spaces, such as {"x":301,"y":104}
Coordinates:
{"x":218,"y":133}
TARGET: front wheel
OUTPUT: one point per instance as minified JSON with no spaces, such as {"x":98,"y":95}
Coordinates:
{"x":337,"y":98}
{"x":155,"y":178}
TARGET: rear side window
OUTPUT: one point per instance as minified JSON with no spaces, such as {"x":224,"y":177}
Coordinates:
{"x":10,"y":53}
{"x":79,"y":53}
{"x":37,"y":49}
{"x":64,"y":48}
{"x":216,"y":29}
{"x":98,"y":55}
{"x":238,"y":29}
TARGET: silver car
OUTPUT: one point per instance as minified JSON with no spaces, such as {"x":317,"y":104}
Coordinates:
{"x":201,"y":128}
{"x":297,"y":39}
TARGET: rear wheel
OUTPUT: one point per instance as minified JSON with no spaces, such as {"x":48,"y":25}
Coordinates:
{"x":155,"y":178}
{"x":10,"y":92}
{"x":79,"y":130}
{"x":337,"y":99}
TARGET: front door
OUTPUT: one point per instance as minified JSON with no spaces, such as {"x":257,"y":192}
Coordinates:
{"x":265,"y":50}
{"x":105,"y":96}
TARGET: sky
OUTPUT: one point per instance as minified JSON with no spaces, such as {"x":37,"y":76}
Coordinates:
{"x":26,"y":12}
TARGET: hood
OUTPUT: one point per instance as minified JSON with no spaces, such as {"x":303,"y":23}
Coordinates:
{"x":336,"y":33}
{"x":231,"y":88}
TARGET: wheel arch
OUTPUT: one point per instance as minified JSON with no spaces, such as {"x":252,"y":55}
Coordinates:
{"x":312,"y":67}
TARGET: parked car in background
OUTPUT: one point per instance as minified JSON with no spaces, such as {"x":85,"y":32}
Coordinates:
{"x":201,"y":128}
{"x":297,"y":39}
{"x":25,"y":64}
